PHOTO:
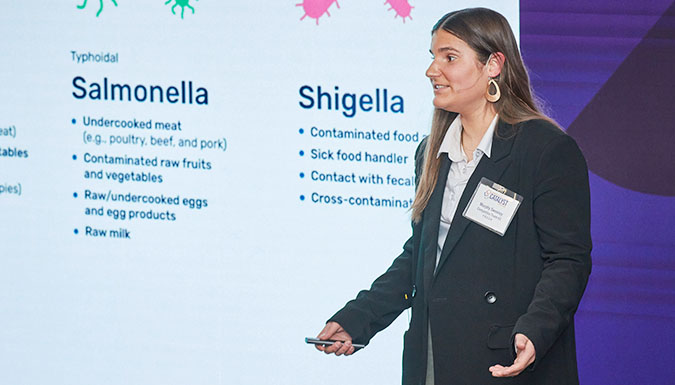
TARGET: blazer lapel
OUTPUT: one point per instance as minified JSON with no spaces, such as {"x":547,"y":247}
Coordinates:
{"x":491,"y":168}
{"x":432,"y":218}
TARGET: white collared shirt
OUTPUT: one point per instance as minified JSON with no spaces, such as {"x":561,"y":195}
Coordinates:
{"x":460,"y":172}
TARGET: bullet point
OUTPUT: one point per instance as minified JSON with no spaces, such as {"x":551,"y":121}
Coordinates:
{"x":302,"y":197}
{"x":74,"y":195}
{"x":302,"y":153}
{"x":302,"y":175}
{"x":75,"y":231}
{"x":74,"y":157}
{"x":74,"y":121}
{"x":302,"y":131}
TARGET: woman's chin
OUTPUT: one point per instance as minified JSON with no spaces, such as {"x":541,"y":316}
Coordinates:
{"x":443,"y":106}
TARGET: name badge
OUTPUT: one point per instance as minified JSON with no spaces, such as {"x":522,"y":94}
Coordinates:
{"x":492,"y":206}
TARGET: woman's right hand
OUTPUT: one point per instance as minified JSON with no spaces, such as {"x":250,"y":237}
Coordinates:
{"x":333,"y":331}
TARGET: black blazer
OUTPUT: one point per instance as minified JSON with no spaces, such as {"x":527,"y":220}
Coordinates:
{"x":537,"y":271}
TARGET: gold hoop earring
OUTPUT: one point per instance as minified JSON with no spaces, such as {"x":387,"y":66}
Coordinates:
{"x":493,"y":97}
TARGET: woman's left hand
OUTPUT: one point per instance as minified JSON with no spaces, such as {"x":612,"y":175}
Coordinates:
{"x":525,"y":355}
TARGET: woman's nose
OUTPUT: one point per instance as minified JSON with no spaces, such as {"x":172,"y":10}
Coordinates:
{"x":432,"y":71}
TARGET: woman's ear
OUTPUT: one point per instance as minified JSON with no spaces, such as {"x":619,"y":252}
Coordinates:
{"x":495,"y":64}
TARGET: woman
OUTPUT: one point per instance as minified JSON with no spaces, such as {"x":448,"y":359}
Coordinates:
{"x":486,"y":303}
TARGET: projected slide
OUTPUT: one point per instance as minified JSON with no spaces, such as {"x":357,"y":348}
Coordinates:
{"x":189,"y":188}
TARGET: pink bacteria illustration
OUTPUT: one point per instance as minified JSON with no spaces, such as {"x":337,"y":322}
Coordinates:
{"x":316,"y":8}
{"x":401,"y":7}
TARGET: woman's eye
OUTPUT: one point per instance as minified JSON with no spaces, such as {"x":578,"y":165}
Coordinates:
{"x":452,"y":58}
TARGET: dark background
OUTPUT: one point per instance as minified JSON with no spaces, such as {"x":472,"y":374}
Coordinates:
{"x":605,"y":68}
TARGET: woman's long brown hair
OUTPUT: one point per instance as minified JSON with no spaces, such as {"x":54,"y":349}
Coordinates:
{"x":486,"y":32}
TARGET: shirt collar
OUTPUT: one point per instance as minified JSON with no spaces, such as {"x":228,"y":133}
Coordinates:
{"x":452,"y":142}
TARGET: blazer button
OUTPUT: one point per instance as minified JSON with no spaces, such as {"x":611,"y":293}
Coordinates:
{"x":490,"y":297}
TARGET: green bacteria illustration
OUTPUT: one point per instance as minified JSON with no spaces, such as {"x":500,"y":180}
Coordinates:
{"x":100,"y":9}
{"x":182,"y":4}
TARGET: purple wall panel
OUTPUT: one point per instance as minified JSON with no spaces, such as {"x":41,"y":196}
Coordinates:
{"x":592,"y":63}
